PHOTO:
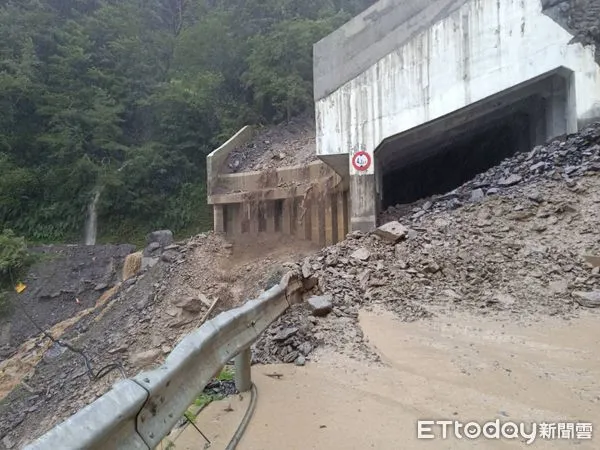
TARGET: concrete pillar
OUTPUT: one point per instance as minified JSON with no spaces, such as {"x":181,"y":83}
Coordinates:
{"x":556,"y":109}
{"x":243,"y":374}
{"x":363,"y":202}
{"x":253,"y":216}
{"x":286,"y":216}
{"x":321,"y":211}
{"x":218,"y":218}
{"x":537,"y":119}
{"x":343,"y":216}
{"x":571,"y":113}
{"x":304,"y":218}
{"x":331,"y":224}
{"x":235,"y":218}
{"x":307,"y":220}
{"x":269,"y":210}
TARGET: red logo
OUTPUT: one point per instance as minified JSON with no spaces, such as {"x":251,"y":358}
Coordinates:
{"x":361,"y":161}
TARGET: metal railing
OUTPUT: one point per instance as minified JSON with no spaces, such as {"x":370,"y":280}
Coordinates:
{"x":139,"y":412}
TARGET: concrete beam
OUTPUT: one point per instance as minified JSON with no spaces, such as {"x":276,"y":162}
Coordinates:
{"x":364,"y":40}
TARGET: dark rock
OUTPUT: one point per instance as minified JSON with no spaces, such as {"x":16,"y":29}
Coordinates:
{"x":320,"y":305}
{"x":285,"y":333}
{"x":291,"y":357}
{"x":305,"y":348}
{"x":151,"y":249}
{"x":162,"y":237}
{"x":101,"y":287}
{"x":511,"y":180}
{"x":170,"y":256}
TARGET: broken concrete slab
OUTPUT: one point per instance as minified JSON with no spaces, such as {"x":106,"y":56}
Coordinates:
{"x":392,"y":231}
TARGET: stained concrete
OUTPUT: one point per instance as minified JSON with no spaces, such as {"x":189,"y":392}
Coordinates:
{"x":403,"y":73}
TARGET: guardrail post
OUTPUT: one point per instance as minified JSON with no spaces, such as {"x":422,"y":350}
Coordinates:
{"x":243,"y":378}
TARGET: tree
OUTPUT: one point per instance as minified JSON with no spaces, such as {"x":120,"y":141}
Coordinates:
{"x":131,"y":95}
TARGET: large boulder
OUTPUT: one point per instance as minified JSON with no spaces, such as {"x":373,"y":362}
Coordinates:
{"x":320,"y":305}
{"x":162,"y":237}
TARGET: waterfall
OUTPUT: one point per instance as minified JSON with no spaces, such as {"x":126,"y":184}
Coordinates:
{"x":91,"y":225}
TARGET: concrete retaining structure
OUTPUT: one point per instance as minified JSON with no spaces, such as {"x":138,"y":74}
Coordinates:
{"x":406,"y":73}
{"x":309,"y":201}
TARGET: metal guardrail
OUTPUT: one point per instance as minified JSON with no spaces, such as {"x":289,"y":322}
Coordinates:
{"x":138,"y":413}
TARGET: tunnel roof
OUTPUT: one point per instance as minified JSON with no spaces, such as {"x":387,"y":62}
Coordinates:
{"x":368,"y":37}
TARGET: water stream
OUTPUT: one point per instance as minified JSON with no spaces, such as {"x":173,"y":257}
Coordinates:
{"x":91,"y":225}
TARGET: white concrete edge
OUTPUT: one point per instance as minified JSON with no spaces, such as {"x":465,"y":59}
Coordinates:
{"x":228,"y":143}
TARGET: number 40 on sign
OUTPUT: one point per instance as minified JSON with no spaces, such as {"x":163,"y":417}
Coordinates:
{"x":361,"y":161}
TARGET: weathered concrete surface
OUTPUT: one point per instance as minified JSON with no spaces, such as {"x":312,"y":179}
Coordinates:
{"x":405,"y":72}
{"x":216,"y":159}
{"x":478,"y":50}
{"x":307,"y":201}
{"x":361,"y":42}
{"x":363,"y":215}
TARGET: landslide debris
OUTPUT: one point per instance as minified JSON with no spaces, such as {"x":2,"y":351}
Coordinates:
{"x":134,"y":325}
{"x":520,"y":240}
{"x":274,"y":146}
{"x":65,"y":280}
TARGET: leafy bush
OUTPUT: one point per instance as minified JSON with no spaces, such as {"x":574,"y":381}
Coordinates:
{"x":14,"y":259}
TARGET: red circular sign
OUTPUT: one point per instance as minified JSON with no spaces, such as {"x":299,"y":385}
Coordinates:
{"x":361,"y":161}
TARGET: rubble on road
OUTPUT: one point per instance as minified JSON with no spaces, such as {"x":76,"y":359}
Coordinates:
{"x":521,"y":250}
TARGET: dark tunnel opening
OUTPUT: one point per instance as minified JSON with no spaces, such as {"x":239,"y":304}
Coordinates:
{"x":457,"y":161}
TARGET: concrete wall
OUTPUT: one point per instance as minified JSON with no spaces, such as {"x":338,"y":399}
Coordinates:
{"x":364,"y":40}
{"x":464,"y":54}
{"x":216,"y":159}
{"x":309,"y":202}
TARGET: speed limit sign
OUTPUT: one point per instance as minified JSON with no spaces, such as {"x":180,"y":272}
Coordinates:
{"x":361,"y":161}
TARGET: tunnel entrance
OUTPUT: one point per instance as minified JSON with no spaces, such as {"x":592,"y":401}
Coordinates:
{"x":457,"y":161}
{"x":441,"y":155}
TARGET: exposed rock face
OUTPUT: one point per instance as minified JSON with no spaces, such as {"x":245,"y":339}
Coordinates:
{"x":579,"y":17}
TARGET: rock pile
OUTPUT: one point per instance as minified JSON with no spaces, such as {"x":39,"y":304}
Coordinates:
{"x":276,"y":146}
{"x":567,"y":160}
{"x":525,"y":245}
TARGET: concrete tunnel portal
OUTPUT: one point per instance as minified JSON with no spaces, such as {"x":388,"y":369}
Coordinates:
{"x":441,"y":155}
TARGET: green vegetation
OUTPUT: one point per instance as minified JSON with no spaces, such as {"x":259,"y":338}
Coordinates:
{"x":131,"y":96}
{"x":207,"y":397}
{"x":14,"y":260}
